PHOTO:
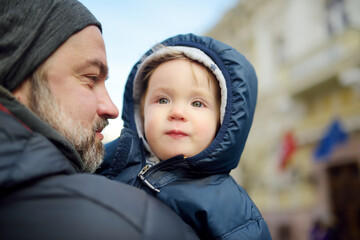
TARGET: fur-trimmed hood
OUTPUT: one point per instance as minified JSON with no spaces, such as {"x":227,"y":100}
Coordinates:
{"x":239,"y":95}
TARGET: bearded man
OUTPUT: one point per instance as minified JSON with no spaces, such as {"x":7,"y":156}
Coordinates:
{"x":53,"y":107}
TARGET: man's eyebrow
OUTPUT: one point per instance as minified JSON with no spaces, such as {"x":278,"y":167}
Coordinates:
{"x":97,"y":63}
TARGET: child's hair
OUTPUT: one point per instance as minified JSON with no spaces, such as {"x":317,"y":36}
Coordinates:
{"x":151,"y":66}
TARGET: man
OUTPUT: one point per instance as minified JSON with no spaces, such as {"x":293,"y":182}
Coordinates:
{"x":53,"y":107}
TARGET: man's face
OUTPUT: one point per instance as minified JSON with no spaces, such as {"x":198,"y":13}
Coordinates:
{"x":78,"y":104}
{"x":181,"y":109}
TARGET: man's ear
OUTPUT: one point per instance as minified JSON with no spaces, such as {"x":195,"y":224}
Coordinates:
{"x":22,"y":92}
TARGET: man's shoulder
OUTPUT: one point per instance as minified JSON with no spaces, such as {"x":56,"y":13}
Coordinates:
{"x":85,"y":204}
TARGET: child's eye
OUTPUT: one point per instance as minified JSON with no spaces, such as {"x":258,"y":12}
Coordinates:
{"x":197,"y":104}
{"x":163,"y":101}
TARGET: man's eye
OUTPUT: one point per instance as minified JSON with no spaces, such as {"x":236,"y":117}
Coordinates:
{"x":197,"y":104}
{"x":163,"y":101}
{"x":90,"y":80}
{"x":93,"y":77}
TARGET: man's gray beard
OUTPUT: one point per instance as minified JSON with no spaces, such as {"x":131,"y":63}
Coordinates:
{"x":44,"y":105}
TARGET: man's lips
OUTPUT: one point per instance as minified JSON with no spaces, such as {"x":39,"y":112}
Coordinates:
{"x":99,"y":127}
{"x":176,"y":134}
{"x":99,"y":134}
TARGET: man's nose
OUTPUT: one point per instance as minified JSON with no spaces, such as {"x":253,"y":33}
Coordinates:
{"x":106,"y":108}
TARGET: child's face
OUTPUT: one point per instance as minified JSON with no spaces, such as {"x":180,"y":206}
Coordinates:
{"x":181,"y":109}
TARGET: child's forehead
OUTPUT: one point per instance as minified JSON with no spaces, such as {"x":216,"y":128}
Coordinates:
{"x":183,"y":63}
{"x":185,"y":69}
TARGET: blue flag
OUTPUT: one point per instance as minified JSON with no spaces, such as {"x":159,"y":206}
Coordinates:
{"x":334,"y":136}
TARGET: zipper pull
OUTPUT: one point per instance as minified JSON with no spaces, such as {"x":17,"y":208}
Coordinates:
{"x":144,"y":170}
{"x":141,"y":176}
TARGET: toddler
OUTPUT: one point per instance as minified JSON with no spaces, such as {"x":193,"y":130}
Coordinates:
{"x":188,"y":108}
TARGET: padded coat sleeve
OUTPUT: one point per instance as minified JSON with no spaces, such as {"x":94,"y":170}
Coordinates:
{"x":84,"y":206}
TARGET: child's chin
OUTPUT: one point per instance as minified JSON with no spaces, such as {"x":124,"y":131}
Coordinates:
{"x":174,"y":154}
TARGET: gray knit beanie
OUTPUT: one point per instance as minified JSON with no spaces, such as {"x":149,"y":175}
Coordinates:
{"x":31,"y":30}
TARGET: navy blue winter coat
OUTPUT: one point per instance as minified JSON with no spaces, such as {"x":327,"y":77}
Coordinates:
{"x":198,"y":188}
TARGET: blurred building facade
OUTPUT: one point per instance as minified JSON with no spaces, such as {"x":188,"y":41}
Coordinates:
{"x":307,"y":57}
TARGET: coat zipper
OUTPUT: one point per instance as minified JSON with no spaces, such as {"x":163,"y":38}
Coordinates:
{"x":146,"y":168}
{"x":143,"y":179}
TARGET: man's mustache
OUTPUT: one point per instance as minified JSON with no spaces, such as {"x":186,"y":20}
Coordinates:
{"x":100,"y":125}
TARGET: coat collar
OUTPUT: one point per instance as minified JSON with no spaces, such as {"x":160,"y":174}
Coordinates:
{"x":38,"y":148}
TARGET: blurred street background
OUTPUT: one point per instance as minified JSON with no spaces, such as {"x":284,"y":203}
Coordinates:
{"x":301,"y":162}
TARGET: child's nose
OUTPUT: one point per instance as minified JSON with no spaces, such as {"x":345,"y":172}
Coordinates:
{"x":177,"y":113}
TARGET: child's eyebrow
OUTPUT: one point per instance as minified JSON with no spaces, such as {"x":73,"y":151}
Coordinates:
{"x":192,"y":91}
{"x":203,"y":93}
{"x":161,"y":89}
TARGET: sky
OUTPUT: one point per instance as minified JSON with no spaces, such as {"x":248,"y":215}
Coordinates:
{"x":130,"y":28}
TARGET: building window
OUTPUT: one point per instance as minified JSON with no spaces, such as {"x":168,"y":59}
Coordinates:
{"x":337,"y":17}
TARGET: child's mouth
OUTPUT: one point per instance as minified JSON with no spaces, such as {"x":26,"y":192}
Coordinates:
{"x":176,"y":134}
